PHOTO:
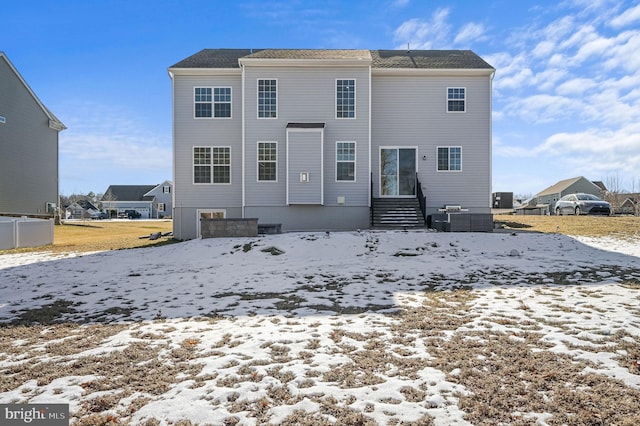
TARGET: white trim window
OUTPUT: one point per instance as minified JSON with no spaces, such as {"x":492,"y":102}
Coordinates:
{"x":345,"y":161}
{"x":222,"y":102}
{"x":202,"y":102}
{"x":166,"y":189}
{"x":267,"y":98}
{"x":211,"y":164}
{"x":449,"y":158}
{"x":212,"y":102}
{"x":267,"y":161}
{"x":161,"y":207}
{"x":456,"y":99}
{"x":345,"y":98}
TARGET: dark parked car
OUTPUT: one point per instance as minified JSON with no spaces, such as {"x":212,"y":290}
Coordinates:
{"x":129,"y":214}
{"x":582,"y":204}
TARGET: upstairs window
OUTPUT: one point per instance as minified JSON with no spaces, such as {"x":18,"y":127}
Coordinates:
{"x":345,"y":161}
{"x":456,"y":99}
{"x":267,"y":158}
{"x":345,"y":99}
{"x":211,"y":164}
{"x":222,"y":102}
{"x":449,"y":158}
{"x":202,"y":98}
{"x":166,"y":189}
{"x":267,"y":98}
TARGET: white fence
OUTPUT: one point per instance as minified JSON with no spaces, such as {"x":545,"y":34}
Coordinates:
{"x":25,"y":232}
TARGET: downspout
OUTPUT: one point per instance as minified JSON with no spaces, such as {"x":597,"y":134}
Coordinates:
{"x":173,"y":166}
{"x":242,"y":105}
{"x":493,"y":74}
{"x":370,"y":172}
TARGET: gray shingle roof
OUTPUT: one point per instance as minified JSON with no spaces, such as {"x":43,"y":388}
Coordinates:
{"x":214,"y":58}
{"x":310,"y":54}
{"x":127,"y":192}
{"x":427,"y":59}
{"x":437,"y":59}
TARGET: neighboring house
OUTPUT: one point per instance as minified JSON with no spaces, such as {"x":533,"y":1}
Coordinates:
{"x":568,"y":186}
{"x":628,"y":204}
{"x":162,"y":200}
{"x":81,"y":209}
{"x":151,"y":201}
{"x":28,"y":148}
{"x":310,"y":139}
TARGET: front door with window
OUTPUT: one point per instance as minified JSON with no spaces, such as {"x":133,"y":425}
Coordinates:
{"x":397,"y":172}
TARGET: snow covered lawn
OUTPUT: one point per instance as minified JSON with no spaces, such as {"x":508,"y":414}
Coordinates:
{"x":360,"y":328}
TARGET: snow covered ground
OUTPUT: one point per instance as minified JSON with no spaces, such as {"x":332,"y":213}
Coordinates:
{"x":365,"y":327}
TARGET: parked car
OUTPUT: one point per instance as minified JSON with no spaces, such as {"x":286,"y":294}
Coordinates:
{"x":582,"y":204}
{"x":129,"y":214}
{"x":99,"y":215}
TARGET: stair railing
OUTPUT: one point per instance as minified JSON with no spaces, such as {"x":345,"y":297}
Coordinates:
{"x":422,"y":199}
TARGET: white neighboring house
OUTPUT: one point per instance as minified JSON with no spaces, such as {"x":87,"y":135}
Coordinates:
{"x":149,"y":201}
{"x":330,"y":139}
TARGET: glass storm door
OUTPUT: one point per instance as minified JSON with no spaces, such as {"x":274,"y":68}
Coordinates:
{"x":397,"y":172}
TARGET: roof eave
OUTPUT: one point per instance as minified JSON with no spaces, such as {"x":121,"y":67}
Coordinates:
{"x":434,"y":71}
{"x":204,"y":71}
{"x":315,"y":62}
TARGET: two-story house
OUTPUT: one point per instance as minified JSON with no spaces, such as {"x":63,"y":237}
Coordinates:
{"x":28,"y":148}
{"x":310,"y":139}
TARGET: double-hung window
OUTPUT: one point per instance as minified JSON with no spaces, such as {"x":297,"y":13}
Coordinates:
{"x":212,"y":164}
{"x":345,"y":99}
{"x":449,"y":158}
{"x":202,"y":98}
{"x":456,"y":99}
{"x":267,"y":157}
{"x":222,"y":102}
{"x":212,"y":102}
{"x":345,"y":161}
{"x":267,"y":98}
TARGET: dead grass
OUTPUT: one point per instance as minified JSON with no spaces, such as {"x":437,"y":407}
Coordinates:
{"x":591,"y":226}
{"x":88,"y":236}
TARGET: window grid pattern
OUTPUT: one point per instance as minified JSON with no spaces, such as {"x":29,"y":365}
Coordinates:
{"x":222,"y":102}
{"x":267,"y":157}
{"x":456,"y":99}
{"x":221,"y":165}
{"x":211,"y":165}
{"x":450,"y":158}
{"x":267,"y":99}
{"x":345,"y":98}
{"x":345,"y":161}
{"x":203,"y":102}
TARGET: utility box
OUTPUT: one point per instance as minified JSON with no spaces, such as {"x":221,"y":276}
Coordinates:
{"x":502,"y":200}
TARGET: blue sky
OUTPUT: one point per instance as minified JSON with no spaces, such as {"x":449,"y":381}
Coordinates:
{"x":566,"y":99}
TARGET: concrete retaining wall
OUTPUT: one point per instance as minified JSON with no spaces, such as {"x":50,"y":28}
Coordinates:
{"x":218,"y":228}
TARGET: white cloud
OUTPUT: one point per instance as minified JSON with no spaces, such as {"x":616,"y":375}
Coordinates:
{"x":400,"y":3}
{"x":421,"y":34}
{"x":576,"y":86}
{"x":628,"y":17}
{"x":607,"y":150}
{"x":469,"y":33}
